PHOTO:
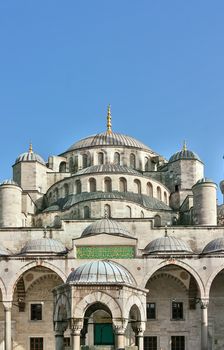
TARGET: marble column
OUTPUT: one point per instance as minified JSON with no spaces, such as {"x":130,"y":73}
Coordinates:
{"x":204,"y":324}
{"x":120,"y":339}
{"x":76,"y":327}
{"x":59,"y":328}
{"x":8,"y":326}
{"x":140,"y":339}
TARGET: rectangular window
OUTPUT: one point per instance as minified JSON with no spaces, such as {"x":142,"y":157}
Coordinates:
{"x":177,"y":310}
{"x":36,"y":344}
{"x":177,"y":343}
{"x":36,"y":312}
{"x":66,"y":341}
{"x":151,"y":311}
{"x":150,"y":343}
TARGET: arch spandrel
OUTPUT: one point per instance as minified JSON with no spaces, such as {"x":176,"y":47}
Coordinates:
{"x":211,"y":278}
{"x":189,"y":269}
{"x":92,"y":298}
{"x":140,"y":304}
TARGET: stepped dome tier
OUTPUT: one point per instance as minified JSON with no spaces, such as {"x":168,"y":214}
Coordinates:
{"x":44,"y":245}
{"x":107,"y":226}
{"x":101,"y":272}
{"x":108,"y":139}
{"x":167,"y":244}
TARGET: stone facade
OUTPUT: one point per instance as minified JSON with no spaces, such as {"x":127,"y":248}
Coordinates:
{"x":131,"y":196}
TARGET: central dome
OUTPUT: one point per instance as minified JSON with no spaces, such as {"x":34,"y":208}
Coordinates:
{"x":101,"y":272}
{"x":108,"y":139}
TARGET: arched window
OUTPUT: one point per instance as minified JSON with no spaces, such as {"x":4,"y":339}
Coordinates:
{"x":149,"y":189}
{"x":62,"y":167}
{"x":86,"y":212}
{"x":84,"y":161}
{"x":107,"y":211}
{"x":128,"y":211}
{"x":165,"y":197}
{"x":92,"y":185}
{"x":100,"y":158}
{"x":66,"y":190}
{"x":76,"y":164}
{"x":56,"y":195}
{"x":158,"y":191}
{"x":117,"y":158}
{"x":71,"y":165}
{"x":132,"y":161}
{"x":122,"y":184}
{"x":137,"y":185}
{"x":107,"y":184}
{"x":157,"y":220}
{"x":78,"y":187}
{"x":146,"y":164}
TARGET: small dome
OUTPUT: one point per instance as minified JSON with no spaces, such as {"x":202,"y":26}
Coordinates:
{"x":43,"y":245}
{"x":107,"y":226}
{"x":215,"y":246}
{"x":30,"y":156}
{"x":204,"y":180}
{"x":9,"y":182}
{"x":4,"y":251}
{"x":108,"y":139}
{"x":183,"y":155}
{"x":167,"y":244}
{"x":107,"y":168}
{"x":101,"y":272}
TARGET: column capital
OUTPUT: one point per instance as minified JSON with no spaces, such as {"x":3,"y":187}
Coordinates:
{"x":76,"y":325}
{"x":7,"y":305}
{"x":204,"y":303}
{"x":120,"y":325}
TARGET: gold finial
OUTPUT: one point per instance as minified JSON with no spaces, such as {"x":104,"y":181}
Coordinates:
{"x":109,"y":124}
{"x":184,"y":146}
{"x":31,"y":148}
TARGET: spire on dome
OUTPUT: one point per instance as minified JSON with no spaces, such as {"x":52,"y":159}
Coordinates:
{"x":109,"y":124}
{"x":184,"y":146}
{"x":30,"y":148}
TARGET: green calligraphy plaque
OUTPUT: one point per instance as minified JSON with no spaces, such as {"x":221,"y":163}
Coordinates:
{"x":105,"y":252}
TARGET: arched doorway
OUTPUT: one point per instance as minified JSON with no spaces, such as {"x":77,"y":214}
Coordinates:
{"x":98,"y":328}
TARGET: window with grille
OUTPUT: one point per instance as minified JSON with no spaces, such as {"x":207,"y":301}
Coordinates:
{"x":36,"y":344}
{"x":150,"y":343}
{"x":36,"y":312}
{"x":151,"y":311}
{"x":177,"y":343}
{"x":177,"y":310}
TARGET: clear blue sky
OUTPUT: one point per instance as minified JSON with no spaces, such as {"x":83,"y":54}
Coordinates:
{"x":159,"y":63}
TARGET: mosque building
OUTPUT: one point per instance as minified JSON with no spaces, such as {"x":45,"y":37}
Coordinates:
{"x":110,"y":246}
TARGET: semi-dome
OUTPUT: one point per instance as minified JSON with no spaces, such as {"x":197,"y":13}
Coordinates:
{"x":215,"y":246}
{"x":108,"y":139}
{"x":107,"y":226}
{"x":9,"y":182}
{"x":167,"y":244}
{"x":44,"y":246}
{"x":102,"y":272}
{"x":30,"y":156}
{"x":107,"y":168}
{"x":184,"y":154}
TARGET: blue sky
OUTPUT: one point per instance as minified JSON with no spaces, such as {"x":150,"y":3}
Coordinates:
{"x":159,"y":63}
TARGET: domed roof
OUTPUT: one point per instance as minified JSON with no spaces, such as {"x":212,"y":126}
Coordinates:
{"x":107,"y":168}
{"x":43,"y":245}
{"x":102,"y":272}
{"x":215,"y":246}
{"x":108,"y":139}
{"x":30,"y":156}
{"x":167,"y":244}
{"x":107,"y":226}
{"x":9,"y":182}
{"x":184,"y":154}
{"x":4,"y":251}
{"x":205,"y":180}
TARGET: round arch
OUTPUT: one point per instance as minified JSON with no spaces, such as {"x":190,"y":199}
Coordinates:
{"x":3,"y":290}
{"x":134,"y":300}
{"x":97,"y":297}
{"x":29,"y":266}
{"x":211,"y":279}
{"x":189,"y":269}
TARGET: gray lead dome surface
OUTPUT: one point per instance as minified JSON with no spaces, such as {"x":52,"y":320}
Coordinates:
{"x":43,"y":245}
{"x":108,"y":139}
{"x":107,"y":168}
{"x":30,"y":157}
{"x":107,"y":226}
{"x":184,"y":154}
{"x":102,"y":272}
{"x":216,"y":245}
{"x":167,"y":244}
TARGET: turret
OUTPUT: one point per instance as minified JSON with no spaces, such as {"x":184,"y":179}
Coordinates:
{"x":204,"y":203}
{"x":10,"y":204}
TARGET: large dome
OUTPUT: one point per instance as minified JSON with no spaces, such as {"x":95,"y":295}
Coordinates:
{"x":108,"y":139}
{"x":167,"y":244}
{"x":44,"y":246}
{"x":101,"y":272}
{"x":107,"y":226}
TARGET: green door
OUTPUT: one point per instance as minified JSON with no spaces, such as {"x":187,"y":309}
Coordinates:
{"x":103,"y":334}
